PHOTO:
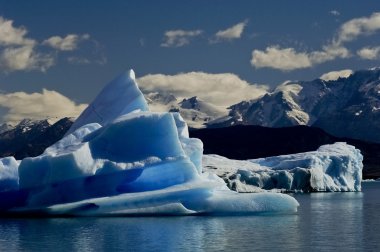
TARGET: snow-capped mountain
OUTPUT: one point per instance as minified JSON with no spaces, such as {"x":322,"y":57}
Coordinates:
{"x":31,"y":137}
{"x":195,"y":111}
{"x":346,"y":107}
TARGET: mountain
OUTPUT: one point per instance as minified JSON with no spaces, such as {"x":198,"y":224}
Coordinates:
{"x":250,"y":142}
{"x":346,"y":107}
{"x":30,"y":137}
{"x":5,"y":127}
{"x":195,"y":111}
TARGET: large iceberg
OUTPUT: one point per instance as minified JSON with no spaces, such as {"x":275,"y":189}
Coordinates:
{"x":121,"y":159}
{"x":334,"y":167}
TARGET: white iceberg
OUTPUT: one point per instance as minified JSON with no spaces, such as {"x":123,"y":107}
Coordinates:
{"x":334,"y":167}
{"x":121,"y":159}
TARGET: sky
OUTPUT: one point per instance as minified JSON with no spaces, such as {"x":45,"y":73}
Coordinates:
{"x":55,"y":56}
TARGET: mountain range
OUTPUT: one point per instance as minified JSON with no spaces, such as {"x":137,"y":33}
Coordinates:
{"x":30,"y":138}
{"x":345,"y":107}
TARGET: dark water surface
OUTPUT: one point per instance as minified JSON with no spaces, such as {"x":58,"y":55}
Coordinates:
{"x":325,"y":222}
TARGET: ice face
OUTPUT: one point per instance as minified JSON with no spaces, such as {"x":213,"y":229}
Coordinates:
{"x":334,"y":167}
{"x":120,"y":159}
{"x":8,"y":174}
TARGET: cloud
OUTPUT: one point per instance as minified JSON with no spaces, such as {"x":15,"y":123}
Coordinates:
{"x":17,"y":52}
{"x":283,"y":59}
{"x":21,"y":105}
{"x":288,"y":59}
{"x":369,"y":53}
{"x":10,"y":35}
{"x":334,"y":13}
{"x":178,"y":38}
{"x":24,"y":58}
{"x":231,"y":33}
{"x":68,"y":43}
{"x":356,"y":27}
{"x":222,"y":89}
{"x":20,"y":53}
{"x":328,"y":53}
{"x":334,"y":75}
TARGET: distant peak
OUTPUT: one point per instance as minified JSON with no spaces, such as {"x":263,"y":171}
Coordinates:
{"x":191,"y":99}
{"x":374,"y":68}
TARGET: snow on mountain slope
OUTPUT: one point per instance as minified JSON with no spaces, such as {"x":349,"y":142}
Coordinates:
{"x":31,"y":137}
{"x":345,"y":107}
{"x":195,"y":111}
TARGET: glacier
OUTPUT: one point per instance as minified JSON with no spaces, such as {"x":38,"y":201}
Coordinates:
{"x":121,"y":159}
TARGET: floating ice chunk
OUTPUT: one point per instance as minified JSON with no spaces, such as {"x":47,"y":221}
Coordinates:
{"x":335,"y":167}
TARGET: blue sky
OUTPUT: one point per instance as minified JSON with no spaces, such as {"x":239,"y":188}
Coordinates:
{"x":73,"y":48}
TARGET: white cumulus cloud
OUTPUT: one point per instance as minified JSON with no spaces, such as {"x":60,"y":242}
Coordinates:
{"x":10,"y":35}
{"x":68,"y":43}
{"x":369,"y":53}
{"x":17,"y":52}
{"x":178,"y":38}
{"x":356,"y":27}
{"x":21,"y":105}
{"x":288,"y":59}
{"x":222,"y":89}
{"x":231,"y":33}
{"x":280,"y":58}
{"x":334,"y":75}
{"x":24,"y":58}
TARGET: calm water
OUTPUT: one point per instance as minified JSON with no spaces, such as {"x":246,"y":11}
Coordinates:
{"x":325,"y":222}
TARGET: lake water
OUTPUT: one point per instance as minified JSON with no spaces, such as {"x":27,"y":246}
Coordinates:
{"x":324,"y":222}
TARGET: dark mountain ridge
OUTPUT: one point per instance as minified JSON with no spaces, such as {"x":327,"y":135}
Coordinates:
{"x":346,"y":107}
{"x":30,"y":138}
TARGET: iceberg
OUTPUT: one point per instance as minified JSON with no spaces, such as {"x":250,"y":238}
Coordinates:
{"x":334,"y":167}
{"x":121,"y":159}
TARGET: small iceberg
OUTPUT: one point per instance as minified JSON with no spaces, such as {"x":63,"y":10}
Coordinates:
{"x":332,"y":168}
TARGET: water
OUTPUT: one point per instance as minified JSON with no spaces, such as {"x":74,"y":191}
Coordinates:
{"x":325,"y":222}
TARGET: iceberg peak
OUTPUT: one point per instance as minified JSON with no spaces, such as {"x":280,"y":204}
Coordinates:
{"x":131,"y":74}
{"x":119,"y":97}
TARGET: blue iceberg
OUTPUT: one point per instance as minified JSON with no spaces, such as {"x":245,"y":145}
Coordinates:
{"x":120,"y":159}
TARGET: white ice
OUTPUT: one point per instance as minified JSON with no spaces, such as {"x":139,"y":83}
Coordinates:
{"x":335,"y":167}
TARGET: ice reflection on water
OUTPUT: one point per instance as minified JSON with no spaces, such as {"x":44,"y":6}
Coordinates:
{"x":326,"y":221}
